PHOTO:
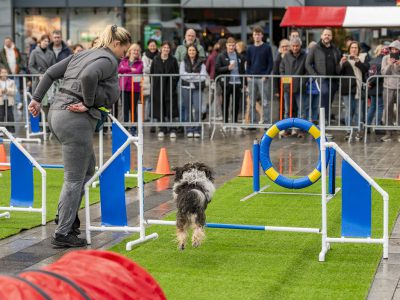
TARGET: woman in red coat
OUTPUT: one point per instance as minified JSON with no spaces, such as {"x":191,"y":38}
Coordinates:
{"x":131,"y":64}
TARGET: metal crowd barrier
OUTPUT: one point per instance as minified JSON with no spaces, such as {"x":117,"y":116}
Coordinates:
{"x":170,"y":103}
{"x":276,"y":98}
{"x":167,"y":104}
{"x":382,"y":104}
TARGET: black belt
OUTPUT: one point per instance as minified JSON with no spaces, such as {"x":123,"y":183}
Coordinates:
{"x":65,"y":91}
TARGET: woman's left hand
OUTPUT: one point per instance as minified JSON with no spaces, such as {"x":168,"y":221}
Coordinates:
{"x":78,"y":107}
{"x":34,"y":108}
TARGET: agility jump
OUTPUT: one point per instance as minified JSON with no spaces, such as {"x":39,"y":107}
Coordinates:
{"x":112,"y":188}
{"x":356,"y":192}
{"x":22,"y":191}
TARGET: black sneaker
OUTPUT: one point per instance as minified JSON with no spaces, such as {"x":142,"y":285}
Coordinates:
{"x":68,"y":241}
{"x":75,"y":231}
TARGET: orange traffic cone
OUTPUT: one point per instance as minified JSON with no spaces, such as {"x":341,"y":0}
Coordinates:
{"x":163,"y":164}
{"x":3,"y":158}
{"x":247,"y":165}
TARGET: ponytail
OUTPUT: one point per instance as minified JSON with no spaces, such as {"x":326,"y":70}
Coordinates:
{"x":113,"y":33}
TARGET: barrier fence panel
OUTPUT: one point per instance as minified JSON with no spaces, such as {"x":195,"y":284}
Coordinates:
{"x":255,"y":101}
{"x":170,"y":101}
{"x":173,"y":102}
{"x":382,"y":106}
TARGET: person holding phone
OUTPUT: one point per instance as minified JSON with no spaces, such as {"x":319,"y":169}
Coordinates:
{"x":353,"y":65}
{"x":391,"y":66}
{"x":229,"y":62}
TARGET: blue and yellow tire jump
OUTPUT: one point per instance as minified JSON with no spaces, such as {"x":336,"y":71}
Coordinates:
{"x":265,"y":159}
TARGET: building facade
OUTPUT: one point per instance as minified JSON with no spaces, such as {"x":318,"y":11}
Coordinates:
{"x":82,"y":20}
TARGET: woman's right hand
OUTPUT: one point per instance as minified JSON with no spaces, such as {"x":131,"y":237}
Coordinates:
{"x":78,"y":107}
{"x":34,"y":107}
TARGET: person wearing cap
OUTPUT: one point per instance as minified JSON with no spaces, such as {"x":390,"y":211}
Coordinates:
{"x":391,"y":66}
{"x":89,"y":87}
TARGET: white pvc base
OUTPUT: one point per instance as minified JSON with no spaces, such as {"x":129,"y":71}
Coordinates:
{"x":132,"y":244}
{"x":27,"y":209}
{"x":254,"y":193}
{"x":5,"y":215}
{"x":323,"y":252}
{"x":29,"y":140}
{"x":261,"y":191}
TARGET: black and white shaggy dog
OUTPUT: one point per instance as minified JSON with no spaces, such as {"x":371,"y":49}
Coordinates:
{"x":192,"y":191}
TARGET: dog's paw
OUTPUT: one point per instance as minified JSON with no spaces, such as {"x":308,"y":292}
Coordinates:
{"x":196,"y":244}
{"x":181,"y":247}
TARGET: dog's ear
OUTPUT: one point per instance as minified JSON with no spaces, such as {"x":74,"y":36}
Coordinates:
{"x":206,"y":169}
{"x":209,"y":174}
{"x":178,"y":173}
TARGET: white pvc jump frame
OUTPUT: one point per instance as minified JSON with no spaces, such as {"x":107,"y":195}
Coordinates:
{"x":327,"y":240}
{"x":324,"y":200}
{"x":138,"y":142}
{"x":28,"y":132}
{"x":41,"y":210}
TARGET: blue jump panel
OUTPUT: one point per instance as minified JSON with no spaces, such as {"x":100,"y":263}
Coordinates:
{"x":118,"y":139}
{"x":256,"y":167}
{"x":356,"y":203}
{"x":21,"y":178}
{"x":35,"y":123}
{"x":112,"y":194}
{"x":332,"y":171}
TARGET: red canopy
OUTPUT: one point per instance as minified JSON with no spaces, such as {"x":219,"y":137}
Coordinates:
{"x":314,"y":16}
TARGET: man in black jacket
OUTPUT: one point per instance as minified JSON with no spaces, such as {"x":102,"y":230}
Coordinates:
{"x":323,"y":60}
{"x":230,"y":62}
{"x":59,"y":47}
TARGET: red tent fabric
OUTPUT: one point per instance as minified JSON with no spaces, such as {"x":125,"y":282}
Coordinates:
{"x":84,"y":274}
{"x":314,"y":16}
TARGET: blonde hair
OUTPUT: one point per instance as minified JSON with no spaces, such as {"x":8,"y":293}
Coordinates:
{"x":134,"y":45}
{"x":113,"y":33}
{"x":242,"y":46}
{"x":378,"y":50}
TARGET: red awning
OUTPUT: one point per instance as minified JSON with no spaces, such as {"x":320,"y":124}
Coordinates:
{"x":314,"y":16}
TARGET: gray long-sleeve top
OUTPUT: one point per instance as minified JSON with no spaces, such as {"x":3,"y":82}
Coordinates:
{"x":89,"y":77}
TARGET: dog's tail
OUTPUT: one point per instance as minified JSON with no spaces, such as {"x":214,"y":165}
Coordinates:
{"x":191,"y":202}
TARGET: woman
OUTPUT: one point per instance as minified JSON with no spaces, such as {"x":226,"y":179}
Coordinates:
{"x":77,"y":48}
{"x":375,"y":86}
{"x":42,"y":57}
{"x":165,"y":106}
{"x":353,"y":65}
{"x":132,"y":64}
{"x":89,"y":87}
{"x":40,"y":60}
{"x":147,"y":59}
{"x":193,"y":74}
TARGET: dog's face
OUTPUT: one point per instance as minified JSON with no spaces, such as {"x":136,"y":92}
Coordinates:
{"x":196,"y":165}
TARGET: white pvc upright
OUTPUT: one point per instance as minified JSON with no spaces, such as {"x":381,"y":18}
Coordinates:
{"x":327,"y":240}
{"x":29,"y":134}
{"x":138,"y":141}
{"x":42,"y":209}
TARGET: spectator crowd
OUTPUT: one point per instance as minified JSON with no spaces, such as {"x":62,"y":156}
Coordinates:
{"x":241,"y":82}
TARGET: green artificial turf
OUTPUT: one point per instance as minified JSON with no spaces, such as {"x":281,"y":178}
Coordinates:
{"x":22,"y":220}
{"x":237,"y":264}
